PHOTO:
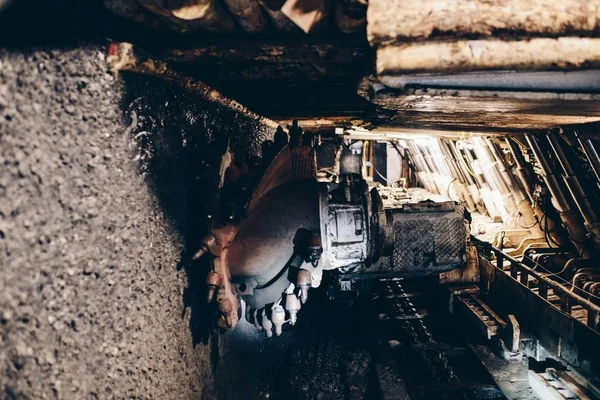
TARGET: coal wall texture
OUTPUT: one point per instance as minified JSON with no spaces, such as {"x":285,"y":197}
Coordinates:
{"x":104,"y":187}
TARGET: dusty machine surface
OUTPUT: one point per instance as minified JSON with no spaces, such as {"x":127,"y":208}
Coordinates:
{"x":300,"y":199}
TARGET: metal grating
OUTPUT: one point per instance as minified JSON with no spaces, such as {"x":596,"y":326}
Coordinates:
{"x":428,"y":241}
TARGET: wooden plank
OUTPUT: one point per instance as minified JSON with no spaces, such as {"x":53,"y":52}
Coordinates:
{"x":478,"y":122}
{"x":124,"y":60}
{"x":271,"y":51}
{"x":322,"y":103}
{"x":484,"y":110}
{"x":273,"y":58}
{"x":392,"y":21}
{"x":485,"y":55}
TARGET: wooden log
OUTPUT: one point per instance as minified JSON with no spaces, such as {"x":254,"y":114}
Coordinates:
{"x":350,"y":15}
{"x":479,"y":110}
{"x":279,"y":20}
{"x":481,"y":55}
{"x":156,"y":7}
{"x":248,"y":15}
{"x":131,"y":9}
{"x":126,"y":59}
{"x":391,"y":21}
{"x":271,"y":50}
{"x":325,"y":124}
{"x":309,"y":15}
{"x":209,"y":14}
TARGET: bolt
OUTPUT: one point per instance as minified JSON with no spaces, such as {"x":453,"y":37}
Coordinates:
{"x":278,"y":317}
{"x":226,"y":308}
{"x":304,"y":281}
{"x":267,"y":324}
{"x":201,"y":252}
{"x":256,"y":324}
{"x":213,"y":281}
{"x":292,"y":305}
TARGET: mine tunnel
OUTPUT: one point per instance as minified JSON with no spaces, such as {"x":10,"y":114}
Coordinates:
{"x":299,"y":199}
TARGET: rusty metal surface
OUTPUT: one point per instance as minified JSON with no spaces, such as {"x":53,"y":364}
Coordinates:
{"x":558,"y":332}
{"x":264,"y":241}
{"x":345,"y":222}
{"x":431,"y":364}
{"x":485,"y":318}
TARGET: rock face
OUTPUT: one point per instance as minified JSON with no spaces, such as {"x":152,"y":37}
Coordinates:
{"x":90,"y":297}
{"x":104,"y":184}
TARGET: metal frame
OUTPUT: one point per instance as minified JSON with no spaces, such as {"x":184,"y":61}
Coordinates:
{"x":568,"y":299}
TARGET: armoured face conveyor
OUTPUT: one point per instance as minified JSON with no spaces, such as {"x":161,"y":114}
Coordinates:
{"x":274,"y":245}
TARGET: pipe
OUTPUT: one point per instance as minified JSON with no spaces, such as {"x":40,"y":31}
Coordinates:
{"x":428,"y":159}
{"x":590,"y":152}
{"x":457,"y":174}
{"x":570,"y":218}
{"x":478,"y":177}
{"x":456,"y":171}
{"x":590,"y":217}
{"x":450,"y":164}
{"x":419,"y":172}
{"x":527,"y":178}
{"x":574,"y":264}
{"x":443,"y":159}
{"x":524,"y":206}
{"x":594,"y":293}
{"x":488,"y":166}
{"x":469,"y":179}
{"x":561,"y":203}
{"x":513,"y":186}
{"x":582,"y":279}
{"x":502,"y":195}
{"x":437,"y":170}
{"x":425,"y":175}
{"x":487,"y":195}
{"x":523,"y":170}
{"x":448,"y":176}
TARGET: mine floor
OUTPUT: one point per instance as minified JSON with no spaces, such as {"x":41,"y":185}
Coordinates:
{"x":375,"y":347}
